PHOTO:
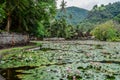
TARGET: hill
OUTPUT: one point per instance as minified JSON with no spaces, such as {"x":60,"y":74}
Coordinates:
{"x":103,"y":13}
{"x":74,"y":15}
{"x":99,"y":15}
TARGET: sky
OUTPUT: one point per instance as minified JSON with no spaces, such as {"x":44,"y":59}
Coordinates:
{"x":86,"y":4}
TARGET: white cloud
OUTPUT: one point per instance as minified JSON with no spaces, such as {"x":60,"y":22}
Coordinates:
{"x":87,"y":4}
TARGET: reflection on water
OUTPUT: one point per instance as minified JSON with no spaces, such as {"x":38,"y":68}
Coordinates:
{"x":109,"y":62}
{"x":11,"y":73}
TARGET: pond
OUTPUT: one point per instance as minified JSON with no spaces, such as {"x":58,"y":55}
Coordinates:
{"x":64,"y":60}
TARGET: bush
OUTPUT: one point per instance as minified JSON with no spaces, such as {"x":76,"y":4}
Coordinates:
{"x":41,"y":32}
{"x":116,"y":39}
{"x":105,"y":32}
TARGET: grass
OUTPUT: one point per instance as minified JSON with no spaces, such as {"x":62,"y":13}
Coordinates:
{"x":14,"y":48}
{"x":36,"y":43}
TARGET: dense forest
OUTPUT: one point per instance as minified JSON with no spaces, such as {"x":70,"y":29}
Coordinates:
{"x":26,"y":16}
{"x":43,"y":19}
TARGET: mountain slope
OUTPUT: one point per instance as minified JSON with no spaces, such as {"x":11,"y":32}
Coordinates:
{"x":99,"y":15}
{"x":74,"y":15}
{"x":103,"y":13}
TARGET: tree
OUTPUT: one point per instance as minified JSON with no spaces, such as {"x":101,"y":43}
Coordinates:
{"x":10,"y":7}
{"x":47,"y":13}
{"x":95,"y":7}
{"x":63,"y":5}
{"x":23,"y":15}
{"x":60,"y":28}
{"x":104,"y":13}
{"x":117,"y":18}
{"x":2,"y":13}
{"x":105,"y":31}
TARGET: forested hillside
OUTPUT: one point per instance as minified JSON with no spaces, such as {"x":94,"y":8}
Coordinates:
{"x":100,"y":14}
{"x":103,"y":12}
{"x":73,"y":14}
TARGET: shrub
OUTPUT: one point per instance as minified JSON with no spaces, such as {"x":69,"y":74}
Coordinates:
{"x":116,"y":39}
{"x":105,"y":32}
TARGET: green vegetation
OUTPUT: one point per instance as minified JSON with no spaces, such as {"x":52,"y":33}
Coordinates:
{"x":42,"y":19}
{"x":2,"y":13}
{"x":117,"y":18}
{"x":17,"y":49}
{"x":74,"y":15}
{"x":106,"y":32}
{"x":23,"y":16}
{"x":100,"y":14}
{"x":60,"y":28}
{"x":85,"y":26}
{"x":80,"y":60}
{"x":37,"y":19}
{"x":61,"y":60}
{"x":13,"y":49}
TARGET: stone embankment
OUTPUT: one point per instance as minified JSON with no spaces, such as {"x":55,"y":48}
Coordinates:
{"x":13,"y":39}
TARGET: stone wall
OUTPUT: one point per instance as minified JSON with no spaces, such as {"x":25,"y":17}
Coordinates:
{"x":13,"y":38}
{"x":54,"y":39}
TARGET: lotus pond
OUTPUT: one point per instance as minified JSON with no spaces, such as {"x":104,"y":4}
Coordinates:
{"x":64,"y":60}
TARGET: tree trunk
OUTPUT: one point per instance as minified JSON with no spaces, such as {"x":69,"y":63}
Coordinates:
{"x":8,"y":23}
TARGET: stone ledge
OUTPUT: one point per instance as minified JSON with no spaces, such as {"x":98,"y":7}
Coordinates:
{"x":13,"y":38}
{"x":2,"y":78}
{"x":54,"y":39}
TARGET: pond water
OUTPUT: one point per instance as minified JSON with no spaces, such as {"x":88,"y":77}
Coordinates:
{"x":12,"y":73}
{"x":70,"y":60}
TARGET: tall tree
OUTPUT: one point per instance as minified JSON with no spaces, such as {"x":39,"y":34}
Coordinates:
{"x":10,"y":7}
{"x":95,"y":6}
{"x":63,"y":5}
{"x":23,"y":15}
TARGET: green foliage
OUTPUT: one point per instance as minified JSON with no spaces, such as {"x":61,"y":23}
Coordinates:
{"x":73,"y":15}
{"x":89,"y":61}
{"x":105,"y":31}
{"x":115,"y":39}
{"x":95,"y":17}
{"x":85,"y":26}
{"x":63,"y":5}
{"x":60,"y":28}
{"x":117,"y":18}
{"x":2,"y":13}
{"x":96,"y":8}
{"x":25,"y":14}
{"x":1,"y":31}
{"x":99,"y":15}
{"x":69,"y":31}
{"x":103,"y":13}
{"x":41,"y":31}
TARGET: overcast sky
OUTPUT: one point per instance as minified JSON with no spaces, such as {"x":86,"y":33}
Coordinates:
{"x":86,"y":4}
